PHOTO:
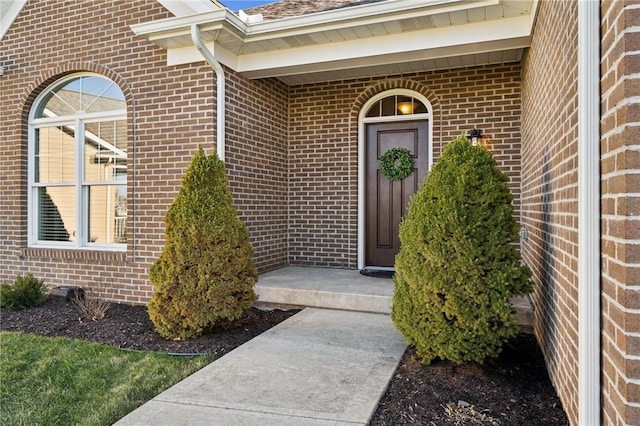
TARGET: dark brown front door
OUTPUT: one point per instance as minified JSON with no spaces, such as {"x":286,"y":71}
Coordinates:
{"x":387,"y":201}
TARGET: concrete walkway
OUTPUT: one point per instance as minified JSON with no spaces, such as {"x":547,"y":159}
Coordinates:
{"x":319,"y":367}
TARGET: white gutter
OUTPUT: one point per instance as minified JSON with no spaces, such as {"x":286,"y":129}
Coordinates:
{"x":589,"y":345}
{"x":220,"y":89}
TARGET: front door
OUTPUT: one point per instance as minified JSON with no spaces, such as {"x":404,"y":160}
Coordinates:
{"x":386,"y":200}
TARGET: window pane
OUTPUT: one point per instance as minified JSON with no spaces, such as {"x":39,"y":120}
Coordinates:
{"x":56,"y":214}
{"x":105,"y":151}
{"x":107,"y":214}
{"x":397,"y":105}
{"x":374,"y":111}
{"x":420,"y":108}
{"x":55,"y":154}
{"x":60,"y":100}
{"x":99,"y":94}
{"x":389,"y":106}
{"x":85,"y":93}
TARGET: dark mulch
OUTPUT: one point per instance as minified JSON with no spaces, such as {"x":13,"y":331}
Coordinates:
{"x":512,"y":390}
{"x":130,"y":327}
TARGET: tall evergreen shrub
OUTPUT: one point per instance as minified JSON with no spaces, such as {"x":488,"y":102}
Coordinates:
{"x":205,"y":274}
{"x":458,"y":264}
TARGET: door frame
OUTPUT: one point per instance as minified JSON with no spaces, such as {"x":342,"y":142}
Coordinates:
{"x":362,"y":139}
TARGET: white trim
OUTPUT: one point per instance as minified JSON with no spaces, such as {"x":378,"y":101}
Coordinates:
{"x":427,"y":44}
{"x":261,"y":49}
{"x":364,"y":14}
{"x":589,"y":314}
{"x":182,"y":8}
{"x":9,"y":15}
{"x":472,"y":38}
{"x":81,"y":187}
{"x":69,"y":119}
{"x":362,"y":139}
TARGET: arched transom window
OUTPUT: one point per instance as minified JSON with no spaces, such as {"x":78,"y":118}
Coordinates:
{"x":396,"y":105}
{"x":78,"y":165}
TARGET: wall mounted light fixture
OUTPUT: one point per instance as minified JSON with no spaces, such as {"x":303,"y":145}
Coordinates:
{"x":474,"y":136}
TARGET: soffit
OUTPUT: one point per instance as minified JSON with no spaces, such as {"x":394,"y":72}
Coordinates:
{"x":388,"y":37}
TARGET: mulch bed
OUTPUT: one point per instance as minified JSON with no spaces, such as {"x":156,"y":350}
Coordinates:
{"x":129,"y":327}
{"x":511,"y":390}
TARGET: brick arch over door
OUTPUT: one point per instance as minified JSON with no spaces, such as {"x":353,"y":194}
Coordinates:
{"x":413,"y":86}
{"x":381,"y":203}
{"x":48,"y":77}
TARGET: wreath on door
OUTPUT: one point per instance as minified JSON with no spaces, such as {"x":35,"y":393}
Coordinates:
{"x":396,"y":163}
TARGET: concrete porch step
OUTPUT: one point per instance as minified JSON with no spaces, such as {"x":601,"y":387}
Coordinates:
{"x":343,"y":289}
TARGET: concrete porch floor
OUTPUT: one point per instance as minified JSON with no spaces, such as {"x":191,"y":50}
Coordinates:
{"x":344,"y":289}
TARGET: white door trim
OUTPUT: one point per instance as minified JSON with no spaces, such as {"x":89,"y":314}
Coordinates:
{"x":362,"y":139}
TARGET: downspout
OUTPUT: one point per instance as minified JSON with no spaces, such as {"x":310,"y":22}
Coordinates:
{"x":220,"y":89}
{"x":589,"y":344}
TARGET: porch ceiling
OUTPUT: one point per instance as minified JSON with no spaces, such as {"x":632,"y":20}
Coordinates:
{"x":387,"y":37}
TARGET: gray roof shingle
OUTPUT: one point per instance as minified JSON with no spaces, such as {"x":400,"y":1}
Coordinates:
{"x":287,"y":8}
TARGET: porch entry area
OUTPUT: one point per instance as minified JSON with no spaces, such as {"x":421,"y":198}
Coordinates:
{"x":343,"y":289}
{"x":397,"y":119}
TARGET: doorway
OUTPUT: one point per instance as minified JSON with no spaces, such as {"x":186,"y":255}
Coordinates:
{"x":386,"y":123}
{"x":387,"y":200}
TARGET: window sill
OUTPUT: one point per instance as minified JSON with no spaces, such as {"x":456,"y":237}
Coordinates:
{"x":76,"y":254}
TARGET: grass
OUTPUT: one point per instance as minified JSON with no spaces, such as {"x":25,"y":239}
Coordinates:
{"x":47,"y":381}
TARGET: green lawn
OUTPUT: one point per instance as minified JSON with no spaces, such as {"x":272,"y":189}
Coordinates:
{"x":57,"y":381}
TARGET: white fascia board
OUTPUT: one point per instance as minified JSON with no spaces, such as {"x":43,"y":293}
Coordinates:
{"x":511,"y":33}
{"x":164,"y":28}
{"x":363,"y":15}
{"x":321,"y":21}
{"x":10,"y":14}
{"x":188,"y":7}
{"x":373,"y":61}
{"x":432,"y":43}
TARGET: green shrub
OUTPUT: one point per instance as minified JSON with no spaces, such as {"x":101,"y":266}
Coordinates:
{"x":27,"y":291}
{"x":458,"y":263}
{"x":205,"y":274}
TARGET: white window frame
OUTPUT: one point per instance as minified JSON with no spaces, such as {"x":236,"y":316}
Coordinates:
{"x":82,"y":242}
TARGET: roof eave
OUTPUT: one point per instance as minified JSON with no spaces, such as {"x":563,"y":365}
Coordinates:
{"x":256,"y":49}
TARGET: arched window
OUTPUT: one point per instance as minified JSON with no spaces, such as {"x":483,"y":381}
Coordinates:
{"x":396,"y":105}
{"x":78,"y":165}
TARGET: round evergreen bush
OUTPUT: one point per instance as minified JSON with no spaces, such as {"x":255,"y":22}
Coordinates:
{"x":458,"y":263}
{"x":27,"y":292}
{"x":205,"y":274}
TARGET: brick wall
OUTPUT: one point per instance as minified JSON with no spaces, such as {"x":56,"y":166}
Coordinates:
{"x":256,"y":152}
{"x":323,"y":146}
{"x":291,"y":152}
{"x":620,"y":174}
{"x":549,"y":190}
{"x":170,"y":112}
{"x":549,"y":200}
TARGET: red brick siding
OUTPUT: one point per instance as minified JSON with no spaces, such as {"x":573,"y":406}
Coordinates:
{"x":620,"y":174}
{"x":549,"y":190}
{"x":323,"y":147}
{"x":170,"y":113}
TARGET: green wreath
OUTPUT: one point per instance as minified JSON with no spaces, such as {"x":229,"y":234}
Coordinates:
{"x":396,"y":164}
